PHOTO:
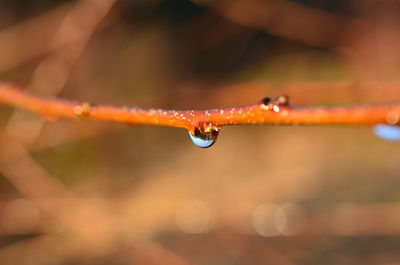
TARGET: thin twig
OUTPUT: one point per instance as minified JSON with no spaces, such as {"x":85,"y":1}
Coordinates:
{"x":276,"y":111}
{"x":314,"y":26}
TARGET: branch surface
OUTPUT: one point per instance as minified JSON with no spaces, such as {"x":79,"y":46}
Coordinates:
{"x":277,"y":111}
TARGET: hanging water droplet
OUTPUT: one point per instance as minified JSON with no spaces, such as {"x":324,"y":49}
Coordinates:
{"x":203,"y":138}
{"x":387,"y":132}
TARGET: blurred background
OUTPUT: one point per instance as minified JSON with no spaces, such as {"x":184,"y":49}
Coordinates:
{"x":79,"y":192}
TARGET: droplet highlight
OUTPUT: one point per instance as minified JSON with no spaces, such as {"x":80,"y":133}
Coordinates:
{"x":82,"y":109}
{"x":204,"y":138}
{"x":387,"y":132}
{"x":274,"y":104}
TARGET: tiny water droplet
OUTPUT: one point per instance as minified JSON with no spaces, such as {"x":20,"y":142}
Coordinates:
{"x":204,"y":139}
{"x":387,"y":132}
{"x":82,"y":109}
{"x":283,"y":100}
{"x":266,"y":101}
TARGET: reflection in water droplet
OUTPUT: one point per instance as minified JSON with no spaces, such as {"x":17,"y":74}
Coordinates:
{"x":204,"y":139}
{"x":387,"y":132}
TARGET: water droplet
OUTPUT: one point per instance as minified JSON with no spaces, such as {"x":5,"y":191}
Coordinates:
{"x":266,"y":101}
{"x":387,"y":132}
{"x":276,"y":108}
{"x":82,"y":109}
{"x":283,"y":100}
{"x":204,"y":138}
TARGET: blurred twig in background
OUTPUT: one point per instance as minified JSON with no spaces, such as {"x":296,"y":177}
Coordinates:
{"x":293,"y":20}
{"x":67,"y":44}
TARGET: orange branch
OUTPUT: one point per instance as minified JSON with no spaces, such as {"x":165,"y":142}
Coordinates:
{"x":276,"y":111}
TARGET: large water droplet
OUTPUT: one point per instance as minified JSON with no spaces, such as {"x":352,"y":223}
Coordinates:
{"x":387,"y":132}
{"x":204,"y":139}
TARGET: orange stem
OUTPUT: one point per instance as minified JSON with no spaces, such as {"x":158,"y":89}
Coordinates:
{"x":273,"y":112}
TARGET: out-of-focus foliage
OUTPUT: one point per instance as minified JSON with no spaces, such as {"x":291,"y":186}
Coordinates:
{"x":74,"y":192}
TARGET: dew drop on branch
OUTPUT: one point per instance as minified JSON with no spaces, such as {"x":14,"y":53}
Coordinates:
{"x":387,"y":132}
{"x":203,"y":138}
